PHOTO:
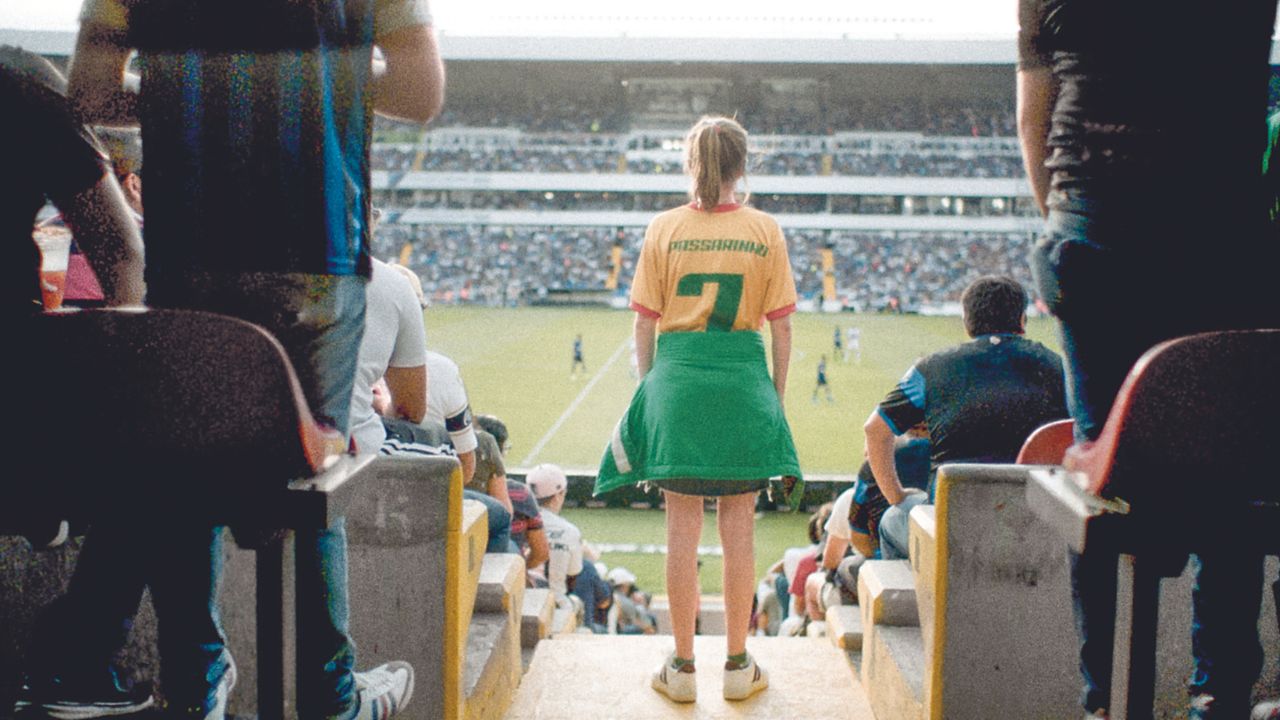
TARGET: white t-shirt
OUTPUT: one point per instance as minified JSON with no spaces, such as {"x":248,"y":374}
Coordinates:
{"x":394,"y":336}
{"x":447,"y":401}
{"x":565,"y":541}
{"x":838,"y":524}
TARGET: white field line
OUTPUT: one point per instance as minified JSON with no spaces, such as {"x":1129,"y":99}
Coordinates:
{"x":650,"y":549}
{"x":586,"y":390}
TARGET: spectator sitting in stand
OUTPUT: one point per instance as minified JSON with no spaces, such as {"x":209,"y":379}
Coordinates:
{"x":980,"y":400}
{"x":855,"y":522}
{"x":527,"y":533}
{"x":797,"y":565}
{"x":549,"y":485}
{"x":627,"y":617}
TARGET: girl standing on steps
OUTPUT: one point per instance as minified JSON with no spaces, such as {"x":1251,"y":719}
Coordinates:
{"x":707,"y":419}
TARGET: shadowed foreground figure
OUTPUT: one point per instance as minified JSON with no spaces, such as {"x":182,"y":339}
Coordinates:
{"x":256,"y":118}
{"x":1113,"y":130}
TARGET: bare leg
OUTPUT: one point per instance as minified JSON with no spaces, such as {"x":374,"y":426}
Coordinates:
{"x":684,"y":530}
{"x":735,"y":518}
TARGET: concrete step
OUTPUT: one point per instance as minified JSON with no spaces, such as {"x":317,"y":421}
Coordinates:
{"x":500,"y":575}
{"x":492,"y":667}
{"x":474,"y":531}
{"x":536,"y":613}
{"x":893,"y":672}
{"x":710,"y":614}
{"x":607,"y":676}
{"x":924,"y":569}
{"x":887,"y":594}
{"x":844,"y":626}
{"x":563,"y":621}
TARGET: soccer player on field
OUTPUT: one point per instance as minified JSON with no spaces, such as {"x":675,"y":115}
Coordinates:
{"x":706,"y":419}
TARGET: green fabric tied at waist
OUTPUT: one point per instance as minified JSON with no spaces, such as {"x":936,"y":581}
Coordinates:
{"x":707,"y":409}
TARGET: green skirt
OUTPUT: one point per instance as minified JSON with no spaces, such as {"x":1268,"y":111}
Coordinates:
{"x":707,"y":410}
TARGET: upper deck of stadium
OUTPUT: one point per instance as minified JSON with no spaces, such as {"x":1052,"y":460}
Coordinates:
{"x":752,"y":31}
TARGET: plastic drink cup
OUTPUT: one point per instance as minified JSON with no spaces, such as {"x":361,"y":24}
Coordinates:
{"x":55,"y":251}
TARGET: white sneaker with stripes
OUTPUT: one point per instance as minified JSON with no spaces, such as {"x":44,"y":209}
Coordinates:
{"x":384,"y":690}
{"x":741,"y":682}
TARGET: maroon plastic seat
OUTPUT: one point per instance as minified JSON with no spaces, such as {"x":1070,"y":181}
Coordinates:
{"x":1188,"y":443}
{"x":1047,"y":444}
{"x":176,"y":412}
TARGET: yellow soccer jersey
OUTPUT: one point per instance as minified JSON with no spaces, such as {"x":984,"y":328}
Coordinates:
{"x":718,"y":271}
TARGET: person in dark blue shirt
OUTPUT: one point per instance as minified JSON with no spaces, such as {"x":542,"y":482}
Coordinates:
{"x":980,"y":400}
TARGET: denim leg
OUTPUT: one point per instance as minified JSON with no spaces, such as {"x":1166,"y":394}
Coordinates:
{"x":499,"y":521}
{"x":1225,"y":602}
{"x":1093,"y":596}
{"x":319,"y":319}
{"x":895,"y":527}
{"x":784,"y":593}
{"x":77,"y":635}
{"x":327,"y":655}
{"x":186,"y":569}
{"x":1085,"y":284}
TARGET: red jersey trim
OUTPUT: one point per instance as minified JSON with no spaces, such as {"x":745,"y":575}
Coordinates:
{"x":781,"y":312}
{"x":646,"y":311}
{"x":723,"y":207}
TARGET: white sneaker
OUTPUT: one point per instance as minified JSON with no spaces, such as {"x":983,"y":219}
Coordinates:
{"x":384,"y":690}
{"x":679,"y":685}
{"x":741,"y":683}
{"x":1267,"y":710}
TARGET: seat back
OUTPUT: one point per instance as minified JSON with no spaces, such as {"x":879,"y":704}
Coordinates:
{"x":165,"y":401}
{"x":1193,"y":424}
{"x":1048,"y":444}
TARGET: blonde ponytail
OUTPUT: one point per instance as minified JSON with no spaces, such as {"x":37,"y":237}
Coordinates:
{"x":715,"y":151}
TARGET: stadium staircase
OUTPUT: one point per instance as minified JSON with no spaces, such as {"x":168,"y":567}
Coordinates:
{"x":607,"y":676}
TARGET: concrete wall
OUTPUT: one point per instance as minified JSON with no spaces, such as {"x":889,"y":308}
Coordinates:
{"x":1010,"y":636}
{"x":397,"y":534}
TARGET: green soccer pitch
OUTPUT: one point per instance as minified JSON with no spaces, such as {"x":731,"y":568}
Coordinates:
{"x":516,"y":364}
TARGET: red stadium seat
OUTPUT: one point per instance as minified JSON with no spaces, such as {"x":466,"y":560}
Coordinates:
{"x":183,"y":413}
{"x":1189,"y":438}
{"x":1048,"y":444}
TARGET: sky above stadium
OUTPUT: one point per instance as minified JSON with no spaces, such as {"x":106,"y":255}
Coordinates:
{"x":662,"y":18}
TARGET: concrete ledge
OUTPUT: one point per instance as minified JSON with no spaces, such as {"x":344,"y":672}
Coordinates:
{"x":710,"y":614}
{"x":500,"y":576}
{"x":887,"y":594}
{"x":893,"y":672}
{"x":924,"y":570}
{"x":564,"y":621}
{"x":473,"y":537}
{"x":535,"y":615}
{"x":493,"y":668}
{"x":844,"y":627}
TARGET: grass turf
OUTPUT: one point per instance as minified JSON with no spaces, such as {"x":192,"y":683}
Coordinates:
{"x":516,"y":365}
{"x":775,"y":532}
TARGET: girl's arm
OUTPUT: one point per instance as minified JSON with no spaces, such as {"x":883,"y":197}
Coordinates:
{"x":645,"y":330}
{"x":780,"y":332}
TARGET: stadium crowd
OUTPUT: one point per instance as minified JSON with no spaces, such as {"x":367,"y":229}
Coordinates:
{"x":968,"y":118}
{"x":571,"y":159}
{"x":507,"y":265}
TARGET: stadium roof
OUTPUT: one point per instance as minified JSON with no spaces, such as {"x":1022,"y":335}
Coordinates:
{"x":756,"y":31}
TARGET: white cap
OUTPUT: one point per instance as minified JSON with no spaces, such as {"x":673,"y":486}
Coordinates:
{"x":621,"y":576}
{"x":546,"y":480}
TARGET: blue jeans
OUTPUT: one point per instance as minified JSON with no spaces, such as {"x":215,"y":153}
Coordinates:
{"x":319,"y":319}
{"x":77,"y":635}
{"x":591,"y":590}
{"x":1115,"y":297}
{"x":895,"y":527}
{"x":499,"y":521}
